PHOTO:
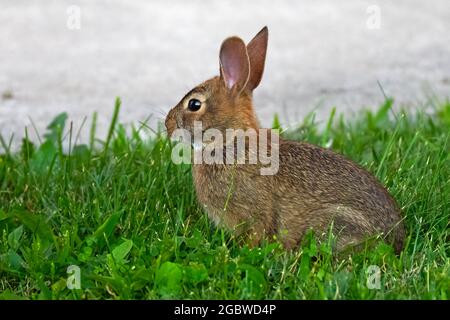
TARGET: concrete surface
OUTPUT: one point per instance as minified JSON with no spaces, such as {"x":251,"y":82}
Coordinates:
{"x":150,"y":53}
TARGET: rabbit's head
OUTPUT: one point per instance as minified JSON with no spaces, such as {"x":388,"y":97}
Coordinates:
{"x":225,"y":101}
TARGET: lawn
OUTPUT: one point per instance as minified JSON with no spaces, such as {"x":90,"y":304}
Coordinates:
{"x":127,"y":217}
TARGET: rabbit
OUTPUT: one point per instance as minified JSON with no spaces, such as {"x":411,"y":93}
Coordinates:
{"x":313,"y":189}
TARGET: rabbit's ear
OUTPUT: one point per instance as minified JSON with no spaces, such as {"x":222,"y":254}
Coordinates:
{"x":234,"y":63}
{"x":257,"y":49}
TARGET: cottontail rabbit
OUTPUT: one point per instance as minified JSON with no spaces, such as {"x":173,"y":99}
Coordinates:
{"x":314,"y":188}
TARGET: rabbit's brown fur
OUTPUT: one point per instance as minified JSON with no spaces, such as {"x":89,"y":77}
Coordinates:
{"x":313,"y":188}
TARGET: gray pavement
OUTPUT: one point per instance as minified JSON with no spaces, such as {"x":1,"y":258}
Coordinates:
{"x":321,"y":53}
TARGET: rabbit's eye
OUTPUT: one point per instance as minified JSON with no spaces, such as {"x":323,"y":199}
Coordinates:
{"x":194,"y":105}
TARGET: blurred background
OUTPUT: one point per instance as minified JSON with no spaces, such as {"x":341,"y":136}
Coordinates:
{"x":77,"y":56}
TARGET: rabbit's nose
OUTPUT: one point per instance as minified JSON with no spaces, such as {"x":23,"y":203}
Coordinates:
{"x":170,"y":123}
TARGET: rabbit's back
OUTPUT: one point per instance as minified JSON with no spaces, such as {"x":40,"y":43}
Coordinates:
{"x":315,"y":186}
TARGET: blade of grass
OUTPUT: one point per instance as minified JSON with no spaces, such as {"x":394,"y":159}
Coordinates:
{"x":112,"y":125}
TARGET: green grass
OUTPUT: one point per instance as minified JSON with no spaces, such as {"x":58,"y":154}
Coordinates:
{"x":128,"y":217}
